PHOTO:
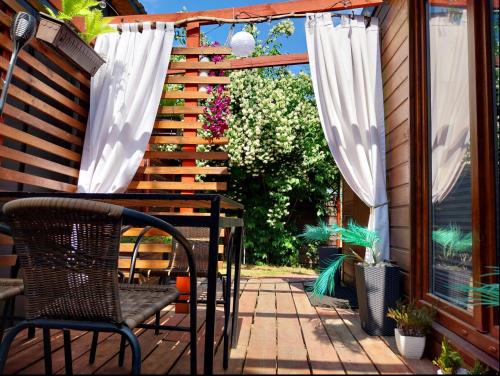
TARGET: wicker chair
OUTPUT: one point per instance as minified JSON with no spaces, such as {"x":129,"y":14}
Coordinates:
{"x":68,"y":249}
{"x":9,"y":287}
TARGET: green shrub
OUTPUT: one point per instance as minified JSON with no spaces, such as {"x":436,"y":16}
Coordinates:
{"x":412,"y":320}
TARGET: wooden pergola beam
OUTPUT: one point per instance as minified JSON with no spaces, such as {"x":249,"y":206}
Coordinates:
{"x":269,"y":61}
{"x":262,"y":10}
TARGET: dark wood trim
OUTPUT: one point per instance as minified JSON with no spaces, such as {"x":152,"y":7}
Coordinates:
{"x":476,"y":330}
{"x":419,"y":185}
{"x":482,"y":147}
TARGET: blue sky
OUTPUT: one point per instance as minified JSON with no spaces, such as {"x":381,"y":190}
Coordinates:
{"x":294,"y":44}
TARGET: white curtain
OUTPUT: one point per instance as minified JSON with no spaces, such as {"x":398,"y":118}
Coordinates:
{"x":347,"y":79}
{"x":450,"y":136}
{"x":124,"y":98}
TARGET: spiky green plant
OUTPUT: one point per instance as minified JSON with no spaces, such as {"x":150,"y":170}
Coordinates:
{"x":486,"y":294}
{"x":479,"y":369}
{"x":449,"y":360}
{"x":353,"y":234}
{"x":412,"y":320}
{"x":95,"y":24}
{"x":320,"y":233}
{"x":453,"y":240}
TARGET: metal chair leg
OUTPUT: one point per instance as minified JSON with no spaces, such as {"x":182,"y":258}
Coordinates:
{"x":7,"y":341}
{"x":47,"y":351}
{"x":93,"y":347}
{"x":157,"y":323}
{"x":121,"y":355}
{"x":127,"y":334}
{"x":68,"y":359}
{"x":31,"y":332}
{"x":3,"y":323}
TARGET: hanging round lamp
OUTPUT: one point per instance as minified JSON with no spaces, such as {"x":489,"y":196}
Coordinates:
{"x":242,"y":43}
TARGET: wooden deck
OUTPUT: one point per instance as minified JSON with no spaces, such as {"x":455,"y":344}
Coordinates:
{"x":280,"y":333}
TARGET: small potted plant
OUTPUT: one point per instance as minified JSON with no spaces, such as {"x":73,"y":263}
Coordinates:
{"x":322,"y":235}
{"x":449,"y":361}
{"x":377,"y":282}
{"x":479,"y":369}
{"x":57,"y":31}
{"x":412,"y":323}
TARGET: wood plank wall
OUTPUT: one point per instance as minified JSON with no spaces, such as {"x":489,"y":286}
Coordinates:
{"x":44,"y":121}
{"x":393,"y":21}
{"x":175,"y":140}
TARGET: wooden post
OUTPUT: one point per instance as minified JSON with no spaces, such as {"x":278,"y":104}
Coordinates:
{"x":192,"y":40}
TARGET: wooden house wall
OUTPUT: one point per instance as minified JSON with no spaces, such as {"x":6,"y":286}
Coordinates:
{"x":393,"y":21}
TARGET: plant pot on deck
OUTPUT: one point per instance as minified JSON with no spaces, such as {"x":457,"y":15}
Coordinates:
{"x":326,"y":255}
{"x":410,"y":347}
{"x":378,"y":289}
{"x":61,"y":37}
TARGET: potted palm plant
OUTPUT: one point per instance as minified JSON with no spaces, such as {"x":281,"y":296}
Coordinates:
{"x":322,"y":235}
{"x":377,"y":282}
{"x":412,"y":323}
{"x":57,"y":31}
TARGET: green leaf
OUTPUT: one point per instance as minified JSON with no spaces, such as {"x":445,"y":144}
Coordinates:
{"x":325,"y":283}
{"x":322,"y":232}
{"x":95,"y":24}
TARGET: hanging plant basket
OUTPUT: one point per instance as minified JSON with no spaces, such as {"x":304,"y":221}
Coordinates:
{"x":61,"y":37}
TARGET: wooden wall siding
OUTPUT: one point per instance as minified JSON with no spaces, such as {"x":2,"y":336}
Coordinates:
{"x":393,"y":16}
{"x":393,"y":21}
{"x":44,"y":121}
{"x":170,"y":162}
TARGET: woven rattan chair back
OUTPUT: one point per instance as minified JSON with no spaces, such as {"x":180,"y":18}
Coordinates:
{"x":68,"y":250}
{"x":199,"y":238}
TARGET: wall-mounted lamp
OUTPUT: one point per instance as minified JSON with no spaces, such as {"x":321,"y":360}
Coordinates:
{"x":22,"y":29}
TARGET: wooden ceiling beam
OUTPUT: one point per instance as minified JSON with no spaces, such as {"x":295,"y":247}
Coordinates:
{"x":261,"y":10}
{"x":269,"y":61}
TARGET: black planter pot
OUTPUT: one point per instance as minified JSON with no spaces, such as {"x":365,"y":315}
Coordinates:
{"x":326,"y":255}
{"x":378,"y":289}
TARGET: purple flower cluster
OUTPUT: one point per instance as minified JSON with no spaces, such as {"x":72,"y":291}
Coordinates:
{"x":216,"y":58}
{"x":217,"y":107}
{"x":216,"y":111}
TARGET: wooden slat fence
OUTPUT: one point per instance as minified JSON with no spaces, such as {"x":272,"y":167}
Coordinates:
{"x":172,"y":161}
{"x":44,"y":120}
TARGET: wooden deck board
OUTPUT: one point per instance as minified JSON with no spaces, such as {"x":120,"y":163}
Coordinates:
{"x":261,"y":352}
{"x":377,"y":350}
{"x":280,"y":332}
{"x":315,"y":336}
{"x":292,"y":353}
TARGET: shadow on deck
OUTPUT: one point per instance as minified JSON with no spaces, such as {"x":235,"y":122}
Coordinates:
{"x":280,"y":332}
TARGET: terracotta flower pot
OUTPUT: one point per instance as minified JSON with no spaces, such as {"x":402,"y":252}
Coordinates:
{"x":409,"y":346}
{"x":62,"y":38}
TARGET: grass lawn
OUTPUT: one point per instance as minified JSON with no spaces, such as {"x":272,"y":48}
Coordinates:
{"x":256,"y":271}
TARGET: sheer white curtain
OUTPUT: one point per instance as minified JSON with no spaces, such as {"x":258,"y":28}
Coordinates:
{"x":450,"y":119}
{"x":124,"y":98}
{"x":347,"y":79}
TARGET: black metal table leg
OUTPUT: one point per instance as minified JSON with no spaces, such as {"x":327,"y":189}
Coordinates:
{"x":211,"y":286}
{"x":238,"y":245}
{"x":227,"y":303}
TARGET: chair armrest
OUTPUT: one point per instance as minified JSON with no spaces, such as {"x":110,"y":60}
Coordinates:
{"x":141,"y":219}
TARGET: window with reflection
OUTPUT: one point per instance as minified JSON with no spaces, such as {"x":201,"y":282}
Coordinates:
{"x":451,"y":200}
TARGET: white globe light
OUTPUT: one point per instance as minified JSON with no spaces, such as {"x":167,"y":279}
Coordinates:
{"x":242,"y":44}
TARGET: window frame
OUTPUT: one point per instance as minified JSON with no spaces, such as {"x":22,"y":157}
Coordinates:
{"x":477,"y":327}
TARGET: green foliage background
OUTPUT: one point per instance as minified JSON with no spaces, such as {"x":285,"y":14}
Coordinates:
{"x":279,"y":157}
